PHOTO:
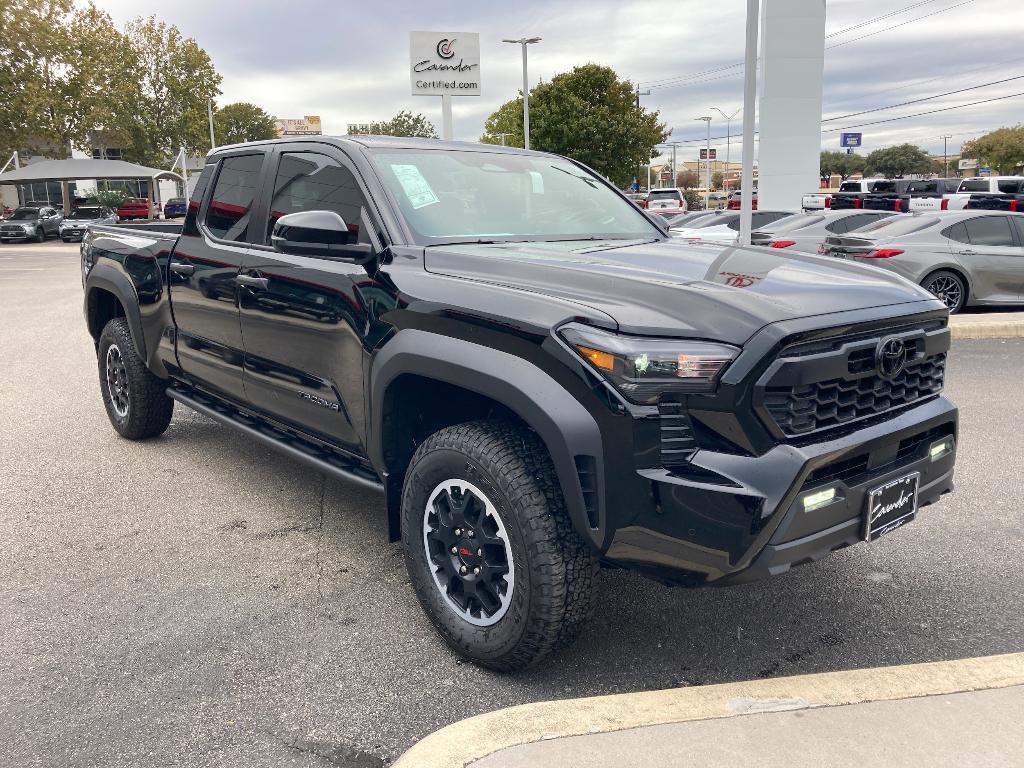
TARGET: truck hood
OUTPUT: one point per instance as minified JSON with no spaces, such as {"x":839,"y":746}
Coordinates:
{"x":681,"y":289}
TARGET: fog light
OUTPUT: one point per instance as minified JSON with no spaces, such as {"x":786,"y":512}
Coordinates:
{"x":941,"y":448}
{"x":819,"y":499}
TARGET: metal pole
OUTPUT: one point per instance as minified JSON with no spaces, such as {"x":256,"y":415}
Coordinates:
{"x":749,"y":95}
{"x":446,"y":117}
{"x":209,"y":114}
{"x":945,"y":158}
{"x":526,"y":102}
{"x":675,"y":170}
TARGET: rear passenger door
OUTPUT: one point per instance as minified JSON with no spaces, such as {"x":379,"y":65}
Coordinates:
{"x":203,"y":271}
{"x":990,"y":250}
{"x":304,"y":318}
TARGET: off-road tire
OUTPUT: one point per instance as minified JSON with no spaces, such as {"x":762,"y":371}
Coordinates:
{"x":555,"y":570}
{"x":40,"y":235}
{"x":149,"y":409}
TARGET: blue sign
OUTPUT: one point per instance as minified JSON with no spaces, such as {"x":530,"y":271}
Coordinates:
{"x":850,"y":140}
{"x":635,"y":186}
{"x":985,"y":171}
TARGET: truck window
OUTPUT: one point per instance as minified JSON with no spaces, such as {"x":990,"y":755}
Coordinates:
{"x":921,"y":187}
{"x":989,"y":230}
{"x":1009,"y":186}
{"x":884,"y":186}
{"x":850,"y":186}
{"x":307,"y":181}
{"x":974,"y":185}
{"x":191,"y":225}
{"x":227,"y":216}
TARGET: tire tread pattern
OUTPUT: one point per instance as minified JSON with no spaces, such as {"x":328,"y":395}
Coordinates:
{"x":149,"y":408}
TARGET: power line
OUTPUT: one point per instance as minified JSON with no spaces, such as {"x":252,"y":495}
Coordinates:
{"x":925,"y":98}
{"x":897,"y":26}
{"x":923,"y":114}
{"x":878,"y":18}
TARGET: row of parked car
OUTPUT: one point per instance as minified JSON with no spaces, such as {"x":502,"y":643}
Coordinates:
{"x":966,"y":257}
{"x":39,"y":221}
{"x":1001,"y":193}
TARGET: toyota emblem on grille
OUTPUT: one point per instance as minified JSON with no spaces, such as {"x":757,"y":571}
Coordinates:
{"x":890,"y":358}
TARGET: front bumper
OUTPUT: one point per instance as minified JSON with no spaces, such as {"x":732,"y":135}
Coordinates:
{"x":741,"y":518}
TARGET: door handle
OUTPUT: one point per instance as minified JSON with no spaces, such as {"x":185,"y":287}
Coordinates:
{"x":182,"y":269}
{"x":257,"y":283}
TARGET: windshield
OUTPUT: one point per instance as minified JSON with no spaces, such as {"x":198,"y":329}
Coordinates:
{"x":25,"y":214}
{"x":86,"y":213}
{"x":494,"y":196}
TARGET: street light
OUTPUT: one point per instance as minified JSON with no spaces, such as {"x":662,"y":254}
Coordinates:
{"x":209,"y":115}
{"x":707,"y":167}
{"x":525,"y":41}
{"x":945,"y":159}
{"x":728,"y":132}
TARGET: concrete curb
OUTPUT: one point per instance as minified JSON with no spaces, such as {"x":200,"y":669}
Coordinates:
{"x":462,"y":743}
{"x":987,"y":326}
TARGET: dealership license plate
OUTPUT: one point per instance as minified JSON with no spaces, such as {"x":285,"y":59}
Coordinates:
{"x":891,"y":506}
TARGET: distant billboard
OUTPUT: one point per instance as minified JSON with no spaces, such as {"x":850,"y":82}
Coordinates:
{"x":306,"y":126}
{"x":444,"y":63}
{"x":850,"y":140}
{"x":357,"y":129}
{"x":966,"y":164}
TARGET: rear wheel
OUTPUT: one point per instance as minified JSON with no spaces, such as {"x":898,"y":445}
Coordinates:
{"x":135,"y":399}
{"x":491,"y":552}
{"x":949,"y":288}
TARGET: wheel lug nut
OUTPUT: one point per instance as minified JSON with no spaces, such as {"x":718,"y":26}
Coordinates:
{"x":455,"y":550}
{"x":458,"y":531}
{"x":463,"y":570}
{"x":476,"y":570}
{"x":479,"y":553}
{"x":471,"y":534}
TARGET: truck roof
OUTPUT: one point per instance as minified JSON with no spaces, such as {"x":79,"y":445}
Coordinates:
{"x":390,"y":142}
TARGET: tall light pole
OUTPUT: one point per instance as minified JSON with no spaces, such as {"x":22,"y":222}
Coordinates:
{"x":707,"y":167}
{"x":728,"y":132}
{"x":945,"y":158}
{"x":525,"y":41}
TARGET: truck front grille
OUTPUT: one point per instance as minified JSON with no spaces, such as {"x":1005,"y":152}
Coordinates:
{"x":678,"y":442}
{"x":835,"y":382}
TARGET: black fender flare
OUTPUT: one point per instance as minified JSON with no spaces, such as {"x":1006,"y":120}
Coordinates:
{"x":103,"y":276}
{"x":568,"y":430}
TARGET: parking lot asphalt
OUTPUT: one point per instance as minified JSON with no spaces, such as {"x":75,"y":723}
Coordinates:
{"x":200,"y":600}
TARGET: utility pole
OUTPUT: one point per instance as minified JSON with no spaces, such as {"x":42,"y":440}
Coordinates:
{"x":503,"y":135}
{"x":640,"y":93}
{"x":749,"y":98}
{"x":945,"y":158}
{"x":209,"y":114}
{"x":728,"y":133}
{"x":525,"y":41}
{"x":707,"y":166}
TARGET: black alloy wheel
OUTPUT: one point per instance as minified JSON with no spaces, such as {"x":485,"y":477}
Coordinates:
{"x":949,"y":288}
{"x":466,"y":544}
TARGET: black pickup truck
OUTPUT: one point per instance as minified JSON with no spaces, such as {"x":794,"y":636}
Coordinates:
{"x":910,"y":195}
{"x":536,"y":377}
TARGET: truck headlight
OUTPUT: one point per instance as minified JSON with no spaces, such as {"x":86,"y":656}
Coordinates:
{"x":642,"y":368}
{"x":28,"y":227}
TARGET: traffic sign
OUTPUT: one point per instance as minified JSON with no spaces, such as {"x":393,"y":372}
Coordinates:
{"x":704,"y":154}
{"x":850,"y":140}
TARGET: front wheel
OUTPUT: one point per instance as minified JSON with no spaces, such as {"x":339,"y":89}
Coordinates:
{"x":135,"y":398}
{"x":491,"y":552}
{"x":949,"y":288}
{"x":40,"y":236}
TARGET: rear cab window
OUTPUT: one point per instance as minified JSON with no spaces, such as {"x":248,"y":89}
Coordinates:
{"x":850,"y":186}
{"x":974,"y":185}
{"x":664,"y":194}
{"x":227,"y":213}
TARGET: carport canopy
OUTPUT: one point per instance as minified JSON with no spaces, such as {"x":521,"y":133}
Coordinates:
{"x":74,"y":169}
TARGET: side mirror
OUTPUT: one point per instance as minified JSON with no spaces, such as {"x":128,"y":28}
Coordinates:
{"x":318,"y":233}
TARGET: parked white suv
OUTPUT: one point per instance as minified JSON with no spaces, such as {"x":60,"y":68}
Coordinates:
{"x":666,"y":200}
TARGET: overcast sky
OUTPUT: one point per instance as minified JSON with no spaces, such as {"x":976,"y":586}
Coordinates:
{"x":348,"y":62}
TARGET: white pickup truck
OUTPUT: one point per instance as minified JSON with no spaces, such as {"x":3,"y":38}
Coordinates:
{"x":850,"y":190}
{"x":982,"y":185}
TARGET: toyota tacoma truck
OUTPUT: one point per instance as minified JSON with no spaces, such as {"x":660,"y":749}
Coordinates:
{"x":536,"y":378}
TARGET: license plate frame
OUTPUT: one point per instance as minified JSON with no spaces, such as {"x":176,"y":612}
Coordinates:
{"x":880,"y":516}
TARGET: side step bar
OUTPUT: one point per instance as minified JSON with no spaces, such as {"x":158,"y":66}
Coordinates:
{"x":325,"y":461}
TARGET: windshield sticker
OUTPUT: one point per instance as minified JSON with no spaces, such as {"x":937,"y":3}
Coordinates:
{"x":415,"y":186}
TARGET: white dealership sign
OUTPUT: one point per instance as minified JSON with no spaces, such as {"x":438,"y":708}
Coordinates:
{"x":444,"y":63}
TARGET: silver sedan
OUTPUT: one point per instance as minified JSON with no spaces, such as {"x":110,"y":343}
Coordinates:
{"x":805,"y":232}
{"x":965,"y":258}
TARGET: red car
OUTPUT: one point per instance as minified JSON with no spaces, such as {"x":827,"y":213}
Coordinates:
{"x":734,"y":201}
{"x":134,"y":208}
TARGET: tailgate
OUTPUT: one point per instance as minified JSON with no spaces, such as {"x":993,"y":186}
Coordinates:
{"x":926,"y":204}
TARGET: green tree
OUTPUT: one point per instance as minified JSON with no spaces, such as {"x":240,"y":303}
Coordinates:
{"x":176,"y":77}
{"x":405,"y":123}
{"x":588,"y":114}
{"x":687,"y":179}
{"x":62,"y":70}
{"x":840,"y":164}
{"x":1001,"y":149}
{"x":716,"y":180}
{"x":241,"y":121}
{"x":898,"y":161}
